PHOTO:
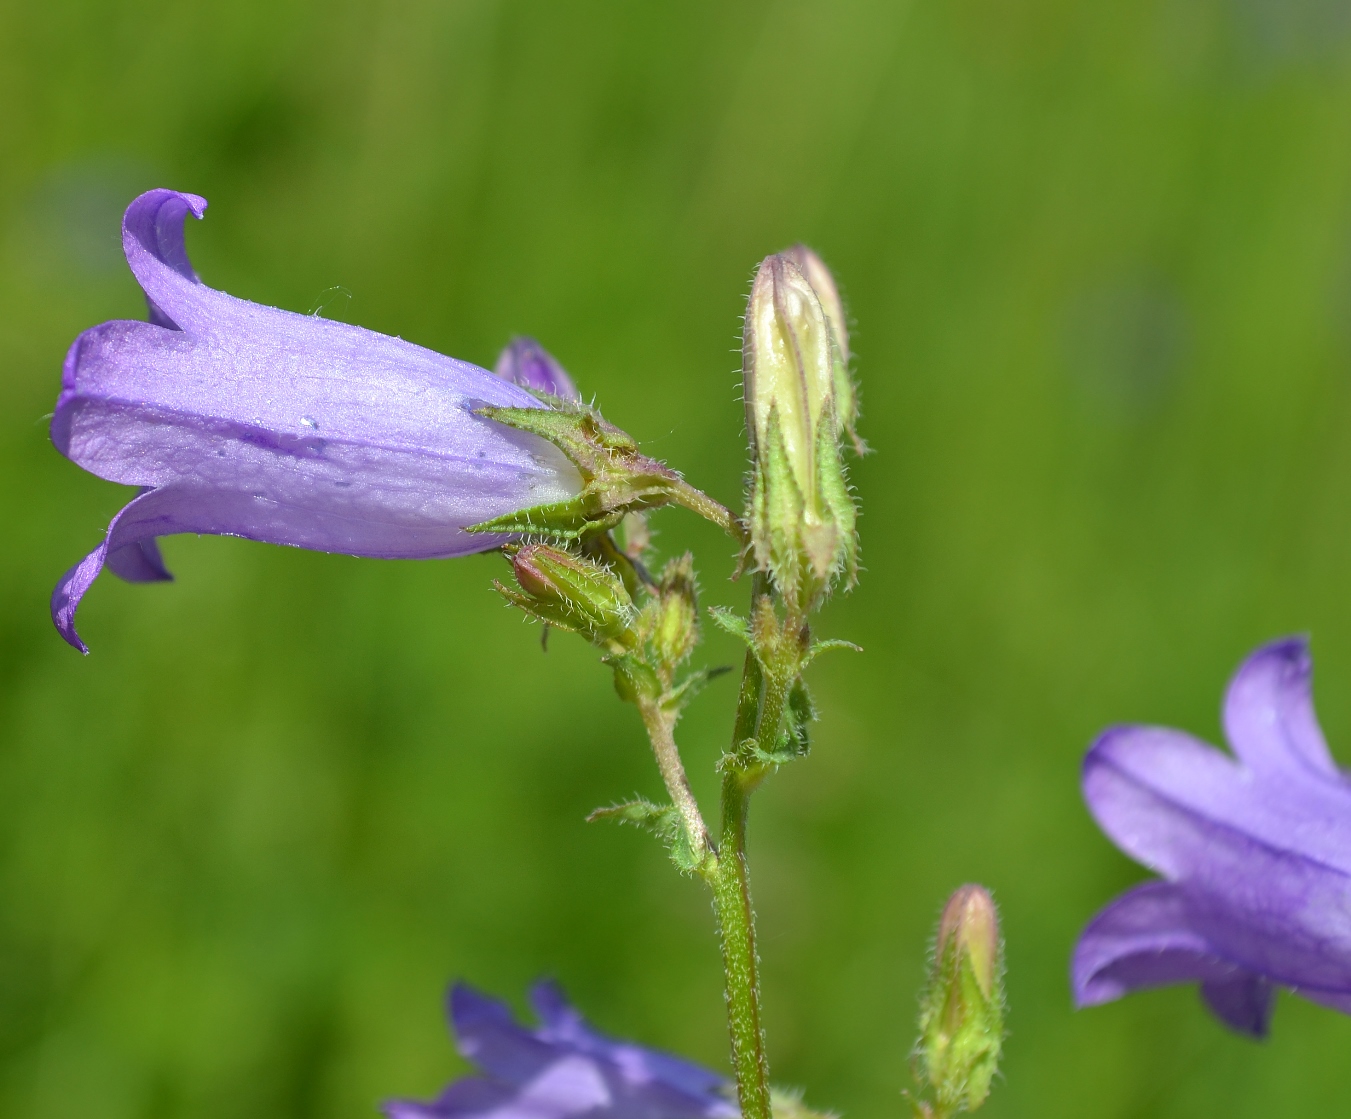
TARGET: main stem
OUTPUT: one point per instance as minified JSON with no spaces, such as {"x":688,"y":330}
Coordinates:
{"x":736,"y":915}
{"x":740,"y":961}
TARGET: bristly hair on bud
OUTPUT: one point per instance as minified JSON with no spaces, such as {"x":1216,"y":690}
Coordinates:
{"x":572,"y":592}
{"x":961,"y":1021}
{"x":823,"y":283}
{"x":801,"y":513}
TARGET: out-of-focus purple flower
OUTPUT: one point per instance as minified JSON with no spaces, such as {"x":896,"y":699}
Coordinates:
{"x":526,"y":363}
{"x":563,"y":1068}
{"x":242,"y":420}
{"x":1254,"y":850}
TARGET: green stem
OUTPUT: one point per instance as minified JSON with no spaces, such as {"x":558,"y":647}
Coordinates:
{"x":661,"y":730}
{"x":741,"y":964}
{"x":731,"y":884}
{"x":696,"y":501}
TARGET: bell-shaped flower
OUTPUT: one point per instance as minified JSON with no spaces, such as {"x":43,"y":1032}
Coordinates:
{"x":1254,"y":850}
{"x":562,"y":1068}
{"x":242,"y":420}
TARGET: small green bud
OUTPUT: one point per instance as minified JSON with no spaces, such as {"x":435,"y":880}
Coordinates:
{"x":961,"y":1021}
{"x":675,"y":615}
{"x":801,"y":512}
{"x":572,"y":592}
{"x":823,"y":283}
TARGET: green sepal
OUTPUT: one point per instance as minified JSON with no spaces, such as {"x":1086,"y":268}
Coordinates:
{"x":819,"y":647}
{"x":635,"y":681}
{"x":617,"y":478}
{"x":692,"y":685}
{"x":832,"y":483}
{"x":662,"y":820}
{"x":732,"y":623}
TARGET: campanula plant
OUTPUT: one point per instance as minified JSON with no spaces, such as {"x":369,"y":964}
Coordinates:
{"x":237,"y":419}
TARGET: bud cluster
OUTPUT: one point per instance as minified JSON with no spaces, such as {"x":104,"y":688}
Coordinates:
{"x":799,"y":403}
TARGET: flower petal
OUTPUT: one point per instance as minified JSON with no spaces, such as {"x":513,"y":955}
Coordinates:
{"x":1268,"y":885}
{"x":489,"y":1036}
{"x":471,"y":1096}
{"x":137,"y":401}
{"x":351,"y":477}
{"x":1336,"y":1000}
{"x":1269,"y":716}
{"x":1143,"y":939}
{"x":562,"y":1024}
{"x":526,"y":363}
{"x":152,"y":238}
{"x":1243,"y":1002}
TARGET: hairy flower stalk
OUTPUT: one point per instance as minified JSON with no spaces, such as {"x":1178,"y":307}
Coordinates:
{"x":241,"y":420}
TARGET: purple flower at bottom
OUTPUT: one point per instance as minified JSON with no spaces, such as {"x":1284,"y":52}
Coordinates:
{"x":561,"y":1069}
{"x":242,"y":420}
{"x":1254,"y":850}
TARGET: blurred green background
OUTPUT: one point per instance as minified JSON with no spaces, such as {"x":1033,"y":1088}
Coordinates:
{"x":1099,"y":258}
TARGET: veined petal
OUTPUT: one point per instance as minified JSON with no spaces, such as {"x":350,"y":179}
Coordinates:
{"x":1310,"y":819}
{"x":297,"y":393}
{"x":1145,"y":939}
{"x":1269,"y":716}
{"x":1269,"y":890}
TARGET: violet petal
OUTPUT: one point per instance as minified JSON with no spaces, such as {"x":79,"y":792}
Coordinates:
{"x":563,"y":1069}
{"x":1142,"y":939}
{"x":285,"y":428}
{"x":526,"y":363}
{"x":1269,"y":874}
{"x":1243,"y":1002}
{"x":1269,"y":718}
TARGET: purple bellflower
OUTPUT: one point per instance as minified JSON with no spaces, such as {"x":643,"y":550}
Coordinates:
{"x":1254,"y":851}
{"x":528,"y":364}
{"x":563,"y":1068}
{"x":242,"y":420}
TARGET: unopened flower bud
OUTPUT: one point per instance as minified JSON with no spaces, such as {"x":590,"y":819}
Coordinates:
{"x":572,"y":592}
{"x":823,"y":283}
{"x":801,"y":512}
{"x":961,"y":1020}
{"x":675,"y":620}
{"x":526,"y":363}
